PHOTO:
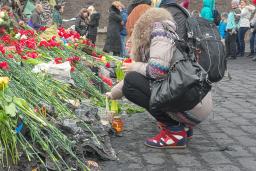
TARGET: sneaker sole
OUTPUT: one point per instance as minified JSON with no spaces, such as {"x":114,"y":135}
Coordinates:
{"x":167,"y":147}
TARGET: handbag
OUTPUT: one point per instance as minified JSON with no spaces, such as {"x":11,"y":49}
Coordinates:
{"x":185,"y":85}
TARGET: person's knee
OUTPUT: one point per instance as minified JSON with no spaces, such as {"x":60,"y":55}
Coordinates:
{"x":130,"y":81}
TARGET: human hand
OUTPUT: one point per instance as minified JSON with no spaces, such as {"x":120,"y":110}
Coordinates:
{"x":109,"y":95}
{"x":127,"y":67}
{"x":21,"y":23}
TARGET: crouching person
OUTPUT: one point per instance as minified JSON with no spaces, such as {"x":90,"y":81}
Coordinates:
{"x":153,"y":48}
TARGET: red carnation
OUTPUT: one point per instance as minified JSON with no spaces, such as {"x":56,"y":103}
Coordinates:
{"x":72,"y":69}
{"x":43,"y":43}
{"x":6,"y":39}
{"x":24,"y":57}
{"x":128,"y":60}
{"x":43,"y":28}
{"x":10,"y":56}
{"x":32,"y":54}
{"x":2,"y":49}
{"x":107,"y":65}
{"x":2,"y":30}
{"x":94,"y":54}
{"x":76,"y":58}
{"x":58,"y":60}
{"x":4,"y":65}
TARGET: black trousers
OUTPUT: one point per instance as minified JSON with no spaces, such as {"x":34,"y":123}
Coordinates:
{"x":137,"y":89}
{"x":230,"y":43}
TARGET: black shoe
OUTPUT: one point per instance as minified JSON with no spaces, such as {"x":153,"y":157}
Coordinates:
{"x":241,"y":55}
{"x":232,"y":58}
{"x":250,"y":55}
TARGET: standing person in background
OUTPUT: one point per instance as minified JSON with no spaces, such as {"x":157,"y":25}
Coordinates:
{"x":113,"y":41}
{"x":252,"y":37}
{"x":35,"y":21}
{"x":222,"y":26}
{"x":124,"y":15}
{"x":244,"y":24}
{"x":82,"y":20}
{"x":57,"y":15}
{"x":207,"y":10}
{"x":136,"y":3}
{"x":94,"y":20}
{"x":47,"y":13}
{"x":230,"y":40}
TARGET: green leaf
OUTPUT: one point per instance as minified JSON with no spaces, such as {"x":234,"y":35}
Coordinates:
{"x":11,"y":109}
{"x":33,"y":61}
{"x":8,"y":98}
{"x":21,"y":102}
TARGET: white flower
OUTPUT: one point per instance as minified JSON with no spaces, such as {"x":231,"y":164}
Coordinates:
{"x":17,"y":36}
{"x":1,"y":20}
{"x":2,"y":14}
{"x":24,"y":37}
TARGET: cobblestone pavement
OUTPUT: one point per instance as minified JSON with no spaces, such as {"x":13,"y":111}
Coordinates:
{"x":224,"y":142}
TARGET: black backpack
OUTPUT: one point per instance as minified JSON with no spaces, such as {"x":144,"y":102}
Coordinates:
{"x":205,"y":39}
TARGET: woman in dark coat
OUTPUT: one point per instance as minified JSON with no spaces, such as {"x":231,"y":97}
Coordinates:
{"x":81,"y":25}
{"x":93,"y":24}
{"x":113,"y":42}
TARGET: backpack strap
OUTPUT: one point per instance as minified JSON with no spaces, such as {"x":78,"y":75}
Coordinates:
{"x":181,"y":46}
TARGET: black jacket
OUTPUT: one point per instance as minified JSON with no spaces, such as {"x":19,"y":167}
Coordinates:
{"x":81,"y":25}
{"x":93,"y":26}
{"x":113,"y":41}
{"x":179,"y":14}
{"x":136,"y":3}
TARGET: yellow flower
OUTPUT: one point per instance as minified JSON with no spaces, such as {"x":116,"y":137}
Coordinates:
{"x":4,"y":82}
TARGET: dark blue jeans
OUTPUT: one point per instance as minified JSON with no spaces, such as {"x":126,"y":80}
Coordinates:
{"x":241,"y":35}
{"x":252,"y":42}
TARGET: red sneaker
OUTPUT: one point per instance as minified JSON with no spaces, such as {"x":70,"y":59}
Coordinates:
{"x":189,"y":130}
{"x":171,"y":137}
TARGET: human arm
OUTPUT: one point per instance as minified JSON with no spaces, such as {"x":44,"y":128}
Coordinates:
{"x":231,"y":22}
{"x":114,"y":16}
{"x":116,"y":92}
{"x":94,"y":20}
{"x":251,"y":8}
{"x":253,"y":20}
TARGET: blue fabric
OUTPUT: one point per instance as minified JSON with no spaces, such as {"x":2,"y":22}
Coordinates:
{"x":34,"y":26}
{"x":207,"y":10}
{"x":231,"y":24}
{"x":124,"y":15}
{"x":19,"y":127}
{"x":123,"y":47}
{"x":241,"y":36}
{"x":252,"y":42}
{"x":222,"y":29}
